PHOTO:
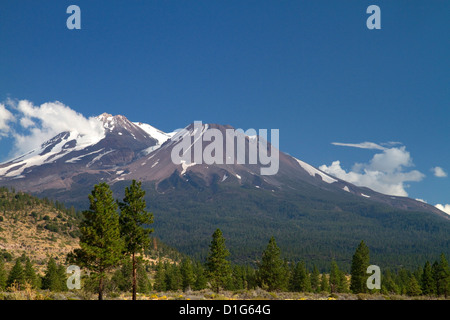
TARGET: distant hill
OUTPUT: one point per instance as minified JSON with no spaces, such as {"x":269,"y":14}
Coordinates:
{"x":37,"y":227}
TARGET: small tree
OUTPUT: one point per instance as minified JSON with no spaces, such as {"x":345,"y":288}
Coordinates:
{"x":187,"y":274}
{"x":271,"y":271}
{"x":100,"y":241}
{"x":134,"y":222}
{"x":360,"y":262}
{"x":218,"y":267}
{"x":335,"y":278}
{"x":315,"y":279}
{"x":413,"y":287}
{"x":3,"y":275}
{"x":30,"y":274}
{"x":54,"y":278}
{"x":16,"y":275}
{"x":324,"y":284}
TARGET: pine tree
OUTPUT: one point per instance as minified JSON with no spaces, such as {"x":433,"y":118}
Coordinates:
{"x":300,"y":281}
{"x":428,"y":285}
{"x":200,"y":277}
{"x":100,"y":241}
{"x":414,"y":287}
{"x":173,"y":277}
{"x":343,"y":282}
{"x":160,"y":276}
{"x":218,"y":267}
{"x":134,"y":221}
{"x":272,"y":270}
{"x":3,"y":275}
{"x":315,"y":279}
{"x":443,"y":277}
{"x":16,"y":275}
{"x":30,"y":275}
{"x":335,"y":277}
{"x":187,"y":274}
{"x":360,"y":262}
{"x":143,"y":282}
{"x":53,"y":279}
{"x":324,"y":283}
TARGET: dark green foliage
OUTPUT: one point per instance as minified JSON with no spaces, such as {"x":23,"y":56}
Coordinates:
{"x":30,"y":275}
{"x":3,"y":275}
{"x":201,"y":279}
{"x":100,"y":241}
{"x":160,"y":278}
{"x":134,"y":221}
{"x":217,"y":264}
{"x":300,"y":280}
{"x":360,"y":262}
{"x":272,"y":272}
{"x":442,"y":276}
{"x":187,"y":274}
{"x":324,"y":283}
{"x":335,"y":278}
{"x":16,"y":275}
{"x":55,"y":277}
{"x":428,"y":284}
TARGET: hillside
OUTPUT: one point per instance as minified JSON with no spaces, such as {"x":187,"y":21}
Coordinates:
{"x":37,"y":227}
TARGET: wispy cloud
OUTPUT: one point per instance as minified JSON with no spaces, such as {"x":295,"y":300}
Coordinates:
{"x":362,"y":145}
{"x":387,"y":172}
{"x":439,"y":172}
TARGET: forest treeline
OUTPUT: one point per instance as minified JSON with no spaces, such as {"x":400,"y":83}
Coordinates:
{"x":115,"y":235}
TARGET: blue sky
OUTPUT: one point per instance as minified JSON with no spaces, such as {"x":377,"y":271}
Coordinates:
{"x":311,"y":69}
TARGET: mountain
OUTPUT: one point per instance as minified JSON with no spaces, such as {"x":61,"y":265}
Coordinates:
{"x":313,"y":215}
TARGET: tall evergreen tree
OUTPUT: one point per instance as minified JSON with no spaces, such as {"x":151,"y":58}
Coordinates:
{"x":428,"y":285}
{"x":16,"y":275}
{"x":100,"y":241}
{"x":443,"y":277}
{"x":360,"y":262}
{"x":134,"y":221}
{"x":271,"y":270}
{"x":218,"y":267}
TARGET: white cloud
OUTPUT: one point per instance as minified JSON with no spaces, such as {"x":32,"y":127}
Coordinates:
{"x":439,"y":172}
{"x":445,"y":208}
{"x":386,"y":171}
{"x":362,"y":145}
{"x":5,"y":117}
{"x":37,"y":124}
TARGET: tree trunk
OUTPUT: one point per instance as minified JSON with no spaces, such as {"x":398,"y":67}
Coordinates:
{"x":100,"y":289}
{"x":134,"y":276}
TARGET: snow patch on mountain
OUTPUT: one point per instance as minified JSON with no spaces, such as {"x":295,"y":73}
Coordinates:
{"x":313,"y":171}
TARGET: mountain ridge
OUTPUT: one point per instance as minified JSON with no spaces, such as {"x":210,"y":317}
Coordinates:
{"x":191,"y":199}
